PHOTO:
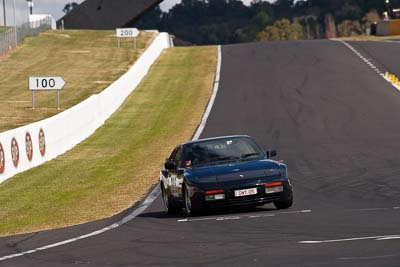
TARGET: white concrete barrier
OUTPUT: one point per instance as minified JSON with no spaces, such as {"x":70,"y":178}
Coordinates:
{"x":29,"y":146}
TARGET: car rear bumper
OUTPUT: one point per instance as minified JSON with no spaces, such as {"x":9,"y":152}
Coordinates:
{"x":230,"y":200}
{"x":241,"y":202}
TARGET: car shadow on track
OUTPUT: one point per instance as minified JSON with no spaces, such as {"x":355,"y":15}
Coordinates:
{"x":231,"y":211}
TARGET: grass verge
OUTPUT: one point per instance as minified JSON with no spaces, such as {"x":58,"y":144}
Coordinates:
{"x":367,"y":38}
{"x":89,"y":61}
{"x":3,"y":29}
{"x":115,"y":167}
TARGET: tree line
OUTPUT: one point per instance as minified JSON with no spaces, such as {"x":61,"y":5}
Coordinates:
{"x":230,"y":21}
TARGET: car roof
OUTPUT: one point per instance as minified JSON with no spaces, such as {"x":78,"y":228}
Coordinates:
{"x":216,"y":138}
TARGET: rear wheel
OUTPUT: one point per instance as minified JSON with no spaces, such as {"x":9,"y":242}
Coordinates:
{"x":284,"y":204}
{"x":169,"y":204}
{"x":190,"y":208}
{"x":287,"y":199}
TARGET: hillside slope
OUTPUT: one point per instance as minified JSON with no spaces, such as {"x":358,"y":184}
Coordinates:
{"x":89,"y":61}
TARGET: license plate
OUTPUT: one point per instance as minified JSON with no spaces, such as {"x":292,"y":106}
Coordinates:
{"x":246,"y":192}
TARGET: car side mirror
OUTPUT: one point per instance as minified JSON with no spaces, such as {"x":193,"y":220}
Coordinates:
{"x":271,"y":153}
{"x":169,"y":165}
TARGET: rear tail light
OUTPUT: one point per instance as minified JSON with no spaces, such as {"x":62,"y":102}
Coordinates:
{"x":274,"y":187}
{"x":274,"y":184}
{"x":213,"y":192}
{"x":215,"y":195}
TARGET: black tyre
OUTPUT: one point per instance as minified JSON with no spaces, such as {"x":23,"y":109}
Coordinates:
{"x":287,"y":199}
{"x":190,"y":208}
{"x":284,"y":204}
{"x":169,"y":204}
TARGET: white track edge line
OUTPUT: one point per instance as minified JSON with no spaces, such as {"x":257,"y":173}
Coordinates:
{"x":377,"y":238}
{"x":369,"y":63}
{"x":212,"y":99}
{"x":151,"y":197}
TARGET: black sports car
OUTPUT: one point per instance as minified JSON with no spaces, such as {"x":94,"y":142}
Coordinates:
{"x":223,"y":171}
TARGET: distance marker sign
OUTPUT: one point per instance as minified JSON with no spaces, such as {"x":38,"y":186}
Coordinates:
{"x":127,"y":33}
{"x":46,"y":83}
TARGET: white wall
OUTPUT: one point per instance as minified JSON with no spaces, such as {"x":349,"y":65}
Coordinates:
{"x":36,"y":19}
{"x":69,"y":128}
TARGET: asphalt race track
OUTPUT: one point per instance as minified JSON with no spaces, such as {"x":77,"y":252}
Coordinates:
{"x":333,"y":120}
{"x":384,"y":54}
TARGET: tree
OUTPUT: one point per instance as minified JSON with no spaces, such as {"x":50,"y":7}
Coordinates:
{"x":151,"y":20}
{"x":230,"y":21}
{"x":330,"y":26}
{"x":256,"y":24}
{"x":311,"y":26}
{"x":283,"y":8}
{"x":348,"y":12}
{"x":371,"y":17}
{"x":281,"y":30}
{"x":349,"y":28}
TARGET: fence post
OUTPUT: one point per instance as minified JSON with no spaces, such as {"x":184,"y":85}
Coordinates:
{"x":16,"y":36}
{"x":1,"y":43}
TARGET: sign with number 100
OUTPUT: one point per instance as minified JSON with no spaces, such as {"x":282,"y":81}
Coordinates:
{"x":46,"y":83}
